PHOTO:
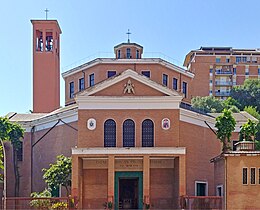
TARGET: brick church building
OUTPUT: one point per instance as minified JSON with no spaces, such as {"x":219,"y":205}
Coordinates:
{"x":127,"y":124}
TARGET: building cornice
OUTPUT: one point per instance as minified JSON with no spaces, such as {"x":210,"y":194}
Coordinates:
{"x":97,"y":61}
{"x":135,"y":102}
{"x":130,"y":151}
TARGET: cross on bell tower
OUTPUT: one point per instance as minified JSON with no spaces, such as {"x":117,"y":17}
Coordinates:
{"x":128,"y":34}
{"x":46,"y":11}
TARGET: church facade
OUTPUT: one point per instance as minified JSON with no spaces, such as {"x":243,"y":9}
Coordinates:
{"x":127,"y":124}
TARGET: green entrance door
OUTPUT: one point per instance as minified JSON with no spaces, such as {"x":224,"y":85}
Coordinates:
{"x":129,"y":190}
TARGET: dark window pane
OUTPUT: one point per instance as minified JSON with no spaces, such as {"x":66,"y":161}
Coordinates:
{"x":244,"y":175}
{"x":81,"y":84}
{"x":146,"y":73}
{"x":129,"y":133}
{"x":111,"y":74}
{"x":175,"y":84}
{"x":110,"y":133}
{"x":71,"y":89}
{"x":147,"y":133}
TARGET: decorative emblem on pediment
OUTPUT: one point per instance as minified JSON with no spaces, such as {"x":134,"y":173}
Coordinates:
{"x":129,"y":87}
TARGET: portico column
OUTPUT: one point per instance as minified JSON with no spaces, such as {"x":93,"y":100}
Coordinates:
{"x":111,"y":178}
{"x":77,"y":179}
{"x":182,"y":175}
{"x":146,"y":179}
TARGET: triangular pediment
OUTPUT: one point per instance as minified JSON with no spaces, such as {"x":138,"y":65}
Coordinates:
{"x":129,"y":83}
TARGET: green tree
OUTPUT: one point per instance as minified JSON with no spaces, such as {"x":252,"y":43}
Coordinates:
{"x":13,"y":133}
{"x":247,"y":94}
{"x":225,"y":124}
{"x":59,"y":173}
{"x":248,"y":131}
{"x":214,"y":105}
{"x":252,"y":111}
{"x":207,"y":104}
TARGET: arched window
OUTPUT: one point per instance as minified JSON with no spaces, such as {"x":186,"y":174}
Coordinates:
{"x":147,"y":133}
{"x":128,"y":133}
{"x":128,"y":53}
{"x":110,"y":133}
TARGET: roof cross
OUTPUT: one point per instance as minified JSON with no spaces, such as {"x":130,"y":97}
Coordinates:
{"x":128,"y":33}
{"x":46,"y":11}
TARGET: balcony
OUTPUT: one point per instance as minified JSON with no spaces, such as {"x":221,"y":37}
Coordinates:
{"x":223,"y":93}
{"x":223,"y":83}
{"x":245,"y":146}
{"x":223,"y":72}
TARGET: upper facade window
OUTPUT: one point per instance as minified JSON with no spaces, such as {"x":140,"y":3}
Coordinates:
{"x":147,"y":133}
{"x":71,"y":89}
{"x":91,"y":80}
{"x":128,"y":53}
{"x":128,"y":133}
{"x":111,"y":74}
{"x":146,"y":73}
{"x":165,"y":79}
{"x":81,"y":84}
{"x":217,"y":60}
{"x":175,"y":83}
{"x":137,"y":54}
{"x":110,"y":133}
{"x":184,"y":89}
{"x":244,"y":174}
{"x":119,"y":54}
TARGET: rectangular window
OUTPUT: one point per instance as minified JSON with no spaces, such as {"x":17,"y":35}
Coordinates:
{"x":210,"y":81}
{"x":91,"y":80}
{"x":165,"y":79}
{"x":201,"y":188}
{"x":234,"y":70}
{"x":210,"y":70}
{"x":258,"y":71}
{"x":246,"y":73}
{"x":81,"y":84}
{"x":254,"y":59}
{"x":71,"y":89}
{"x":238,"y":59}
{"x":244,"y":176}
{"x":137,"y":53}
{"x":219,"y":190}
{"x":227,"y":60}
{"x":244,"y":59}
{"x":248,"y":59}
{"x":184,"y":89}
{"x":146,"y":73}
{"x":119,"y":54}
{"x":217,"y":60}
{"x":175,"y":84}
{"x":111,"y":74}
{"x":252,"y":176}
{"x":128,"y":53}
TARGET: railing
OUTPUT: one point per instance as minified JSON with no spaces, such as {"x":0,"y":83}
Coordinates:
{"x":222,"y":93}
{"x":223,"y":72}
{"x":228,"y":83}
{"x":16,"y":203}
{"x":201,"y":202}
{"x":245,"y":146}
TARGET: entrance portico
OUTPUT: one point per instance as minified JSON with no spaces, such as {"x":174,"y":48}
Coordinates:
{"x":128,"y":177}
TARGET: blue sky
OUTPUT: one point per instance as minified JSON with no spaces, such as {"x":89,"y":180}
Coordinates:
{"x":171,"y":27}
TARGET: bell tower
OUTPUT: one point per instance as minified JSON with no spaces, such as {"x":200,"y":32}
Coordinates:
{"x":46,"y":65}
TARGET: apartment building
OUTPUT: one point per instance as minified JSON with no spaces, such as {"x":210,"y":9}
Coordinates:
{"x":218,"y":69}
